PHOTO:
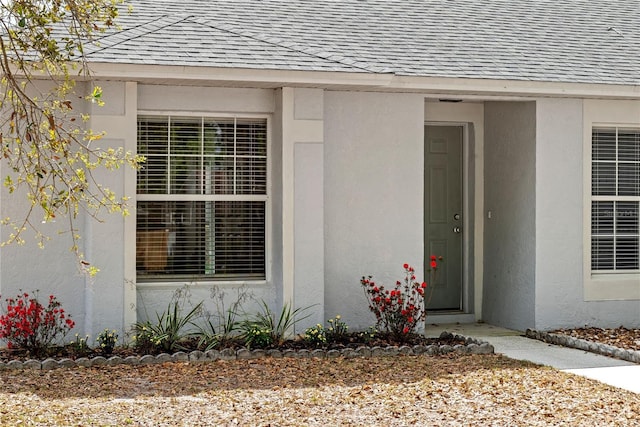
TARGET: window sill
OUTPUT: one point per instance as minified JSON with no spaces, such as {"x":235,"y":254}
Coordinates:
{"x":200,"y":284}
{"x":612,"y":287}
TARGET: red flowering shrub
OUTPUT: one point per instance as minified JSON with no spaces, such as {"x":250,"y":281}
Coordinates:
{"x":27,"y":324}
{"x":400,"y":309}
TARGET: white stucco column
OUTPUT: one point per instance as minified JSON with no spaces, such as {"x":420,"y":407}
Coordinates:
{"x":303,"y":202}
{"x":110,"y":297}
{"x":130,"y":134}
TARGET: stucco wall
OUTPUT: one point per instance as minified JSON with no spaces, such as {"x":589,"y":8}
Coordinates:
{"x":560,"y":229}
{"x":509,"y":233}
{"x":106,"y":303}
{"x":297,"y":201}
{"x":276,"y":199}
{"x":94,"y":303}
{"x":53,"y":269}
{"x":364,"y":153}
{"x":308,"y":201}
{"x":152,"y":300}
{"x":373,"y":195}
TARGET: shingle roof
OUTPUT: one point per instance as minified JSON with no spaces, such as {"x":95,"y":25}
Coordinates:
{"x":587,"y":41}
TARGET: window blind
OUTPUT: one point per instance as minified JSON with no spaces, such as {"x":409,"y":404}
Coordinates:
{"x":201,"y":208}
{"x":199,"y":239}
{"x":202,"y":156}
{"x":615,"y":205}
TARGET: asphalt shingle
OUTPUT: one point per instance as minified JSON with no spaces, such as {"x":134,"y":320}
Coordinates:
{"x":588,"y":41}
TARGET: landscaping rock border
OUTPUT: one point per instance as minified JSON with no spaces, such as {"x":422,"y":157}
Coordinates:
{"x":580,"y":344}
{"x":471,"y":346}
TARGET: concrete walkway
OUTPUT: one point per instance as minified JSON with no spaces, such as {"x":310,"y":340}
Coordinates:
{"x":513,"y":344}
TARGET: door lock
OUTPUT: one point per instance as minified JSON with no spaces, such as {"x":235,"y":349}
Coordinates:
{"x":456,"y":230}
{"x":456,"y":217}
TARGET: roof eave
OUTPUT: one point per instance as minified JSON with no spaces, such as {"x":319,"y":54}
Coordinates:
{"x":464,"y":88}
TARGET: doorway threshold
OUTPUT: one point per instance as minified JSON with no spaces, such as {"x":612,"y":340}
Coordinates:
{"x":435,"y":318}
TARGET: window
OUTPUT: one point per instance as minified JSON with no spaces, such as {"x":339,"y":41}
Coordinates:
{"x":615,"y":200}
{"x":201,"y":198}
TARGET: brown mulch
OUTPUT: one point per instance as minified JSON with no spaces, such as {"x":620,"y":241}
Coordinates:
{"x":469,"y":390}
{"x":628,"y":339}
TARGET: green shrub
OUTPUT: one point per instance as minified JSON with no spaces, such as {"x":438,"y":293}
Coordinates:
{"x":337,"y":330}
{"x":257,"y":337}
{"x":79,"y":347}
{"x":221,"y":327}
{"x":368,"y":335}
{"x":168,"y":331}
{"x":107,"y":341}
{"x":145,"y":337}
{"x":315,"y":336}
{"x":266,"y":320}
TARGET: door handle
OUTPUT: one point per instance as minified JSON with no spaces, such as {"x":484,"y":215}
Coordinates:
{"x":456,"y":230}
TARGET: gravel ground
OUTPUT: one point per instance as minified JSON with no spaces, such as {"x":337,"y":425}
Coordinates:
{"x":469,"y":390}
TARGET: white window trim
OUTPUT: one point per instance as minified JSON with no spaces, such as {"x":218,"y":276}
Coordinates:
{"x":614,"y":199}
{"x":613,"y":285}
{"x":267,"y":199}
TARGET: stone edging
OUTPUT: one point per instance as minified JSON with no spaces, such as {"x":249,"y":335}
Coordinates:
{"x":580,"y":344}
{"x":471,"y":346}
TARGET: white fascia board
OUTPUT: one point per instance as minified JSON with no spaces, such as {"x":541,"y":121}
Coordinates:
{"x":435,"y":87}
{"x":481,"y":88}
{"x":275,"y":78}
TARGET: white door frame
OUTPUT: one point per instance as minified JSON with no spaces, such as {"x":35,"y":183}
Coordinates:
{"x":466,"y":303}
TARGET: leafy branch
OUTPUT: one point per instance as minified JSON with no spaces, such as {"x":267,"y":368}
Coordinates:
{"x":50,"y":152}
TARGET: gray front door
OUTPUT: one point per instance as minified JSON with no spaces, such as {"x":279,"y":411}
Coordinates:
{"x":443,"y":213}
